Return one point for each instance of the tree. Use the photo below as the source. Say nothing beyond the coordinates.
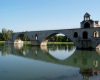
(4, 31)
(6, 34)
(1, 37)
(25, 38)
(59, 38)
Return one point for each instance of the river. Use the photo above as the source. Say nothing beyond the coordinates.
(52, 62)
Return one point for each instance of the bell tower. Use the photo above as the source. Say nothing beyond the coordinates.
(88, 22)
(86, 16)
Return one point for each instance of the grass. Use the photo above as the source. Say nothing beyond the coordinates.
(29, 42)
(60, 43)
(2, 41)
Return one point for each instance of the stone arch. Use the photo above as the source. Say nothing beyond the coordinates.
(86, 25)
(96, 34)
(75, 34)
(36, 37)
(21, 37)
(85, 35)
(45, 40)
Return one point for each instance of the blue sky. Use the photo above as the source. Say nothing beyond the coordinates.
(33, 15)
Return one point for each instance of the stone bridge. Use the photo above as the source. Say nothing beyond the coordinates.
(85, 37)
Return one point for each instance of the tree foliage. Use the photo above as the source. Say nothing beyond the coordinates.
(59, 38)
(23, 37)
(5, 35)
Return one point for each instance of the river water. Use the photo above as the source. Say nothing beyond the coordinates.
(52, 62)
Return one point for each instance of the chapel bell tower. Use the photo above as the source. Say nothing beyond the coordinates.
(88, 22)
(86, 17)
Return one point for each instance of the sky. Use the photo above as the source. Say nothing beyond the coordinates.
(36, 15)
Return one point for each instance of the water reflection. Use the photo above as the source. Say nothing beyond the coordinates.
(55, 47)
(61, 52)
(87, 73)
(87, 61)
(18, 46)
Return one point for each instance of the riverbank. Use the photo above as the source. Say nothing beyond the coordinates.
(2, 42)
(29, 42)
(60, 43)
(25, 42)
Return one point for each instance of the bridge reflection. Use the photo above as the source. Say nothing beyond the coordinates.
(87, 73)
(87, 61)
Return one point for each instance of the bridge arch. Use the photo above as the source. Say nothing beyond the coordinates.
(21, 37)
(45, 40)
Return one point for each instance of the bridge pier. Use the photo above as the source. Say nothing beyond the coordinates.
(39, 43)
(35, 43)
(93, 43)
(84, 44)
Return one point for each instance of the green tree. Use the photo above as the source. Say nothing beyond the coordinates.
(25, 38)
(4, 31)
(59, 38)
(6, 34)
(1, 37)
